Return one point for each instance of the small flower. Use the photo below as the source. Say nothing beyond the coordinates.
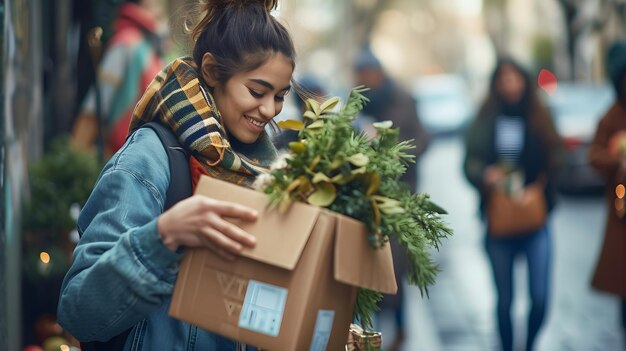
(281, 161)
(262, 181)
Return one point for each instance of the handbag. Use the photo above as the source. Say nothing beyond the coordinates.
(519, 213)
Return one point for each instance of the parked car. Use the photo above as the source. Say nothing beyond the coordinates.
(443, 103)
(577, 109)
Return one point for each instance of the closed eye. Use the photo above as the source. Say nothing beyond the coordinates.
(256, 94)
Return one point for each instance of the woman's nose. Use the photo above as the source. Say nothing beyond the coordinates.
(268, 108)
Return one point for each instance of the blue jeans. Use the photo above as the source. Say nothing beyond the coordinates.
(537, 248)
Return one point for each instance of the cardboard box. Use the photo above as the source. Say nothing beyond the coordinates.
(295, 290)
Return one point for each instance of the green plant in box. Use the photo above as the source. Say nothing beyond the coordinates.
(331, 165)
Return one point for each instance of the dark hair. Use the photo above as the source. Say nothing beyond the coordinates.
(241, 35)
(529, 88)
(534, 111)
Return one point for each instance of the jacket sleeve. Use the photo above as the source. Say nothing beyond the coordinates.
(404, 116)
(598, 155)
(474, 163)
(121, 271)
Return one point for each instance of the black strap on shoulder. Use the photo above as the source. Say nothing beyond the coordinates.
(180, 176)
(178, 189)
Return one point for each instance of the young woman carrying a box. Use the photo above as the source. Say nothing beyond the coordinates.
(217, 103)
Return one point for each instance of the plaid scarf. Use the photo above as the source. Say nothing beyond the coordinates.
(178, 99)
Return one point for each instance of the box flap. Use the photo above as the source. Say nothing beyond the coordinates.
(357, 263)
(280, 237)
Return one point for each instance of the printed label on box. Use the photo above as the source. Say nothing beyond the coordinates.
(263, 308)
(323, 327)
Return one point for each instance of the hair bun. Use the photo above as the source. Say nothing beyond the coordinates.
(209, 9)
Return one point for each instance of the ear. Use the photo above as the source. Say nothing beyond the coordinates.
(208, 69)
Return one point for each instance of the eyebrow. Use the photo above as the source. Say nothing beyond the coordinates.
(268, 84)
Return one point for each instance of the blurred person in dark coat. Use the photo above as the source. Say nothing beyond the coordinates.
(513, 131)
(132, 58)
(607, 154)
(390, 102)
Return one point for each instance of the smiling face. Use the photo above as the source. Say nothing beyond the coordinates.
(249, 100)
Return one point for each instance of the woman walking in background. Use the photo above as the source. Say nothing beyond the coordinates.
(512, 142)
(607, 154)
(131, 60)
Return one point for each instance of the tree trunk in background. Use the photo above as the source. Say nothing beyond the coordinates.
(497, 23)
(570, 10)
(364, 19)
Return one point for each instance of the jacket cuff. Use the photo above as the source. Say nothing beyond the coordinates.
(156, 257)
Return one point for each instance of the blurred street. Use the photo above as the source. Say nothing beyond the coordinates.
(459, 316)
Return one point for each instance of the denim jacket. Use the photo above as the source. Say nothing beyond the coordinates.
(122, 275)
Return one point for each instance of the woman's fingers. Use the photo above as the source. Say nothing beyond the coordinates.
(232, 231)
(221, 241)
(234, 210)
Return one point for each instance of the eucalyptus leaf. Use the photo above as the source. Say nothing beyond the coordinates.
(360, 170)
(374, 183)
(291, 124)
(329, 104)
(297, 147)
(315, 125)
(320, 177)
(324, 195)
(359, 160)
(310, 115)
(382, 125)
(313, 106)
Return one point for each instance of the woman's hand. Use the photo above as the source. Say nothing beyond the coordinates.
(493, 175)
(199, 221)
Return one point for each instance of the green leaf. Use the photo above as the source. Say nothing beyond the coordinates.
(359, 160)
(297, 147)
(291, 124)
(382, 125)
(310, 115)
(320, 177)
(314, 162)
(374, 183)
(337, 162)
(324, 195)
(313, 106)
(315, 125)
(360, 170)
(329, 104)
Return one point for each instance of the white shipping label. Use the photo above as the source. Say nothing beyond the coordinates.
(323, 327)
(263, 308)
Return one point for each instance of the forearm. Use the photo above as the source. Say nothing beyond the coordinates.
(107, 293)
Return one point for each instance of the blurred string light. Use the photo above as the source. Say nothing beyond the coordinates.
(44, 257)
(620, 207)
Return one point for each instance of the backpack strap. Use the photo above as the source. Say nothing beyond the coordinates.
(178, 189)
(180, 175)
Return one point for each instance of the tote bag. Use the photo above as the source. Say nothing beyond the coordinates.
(517, 214)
